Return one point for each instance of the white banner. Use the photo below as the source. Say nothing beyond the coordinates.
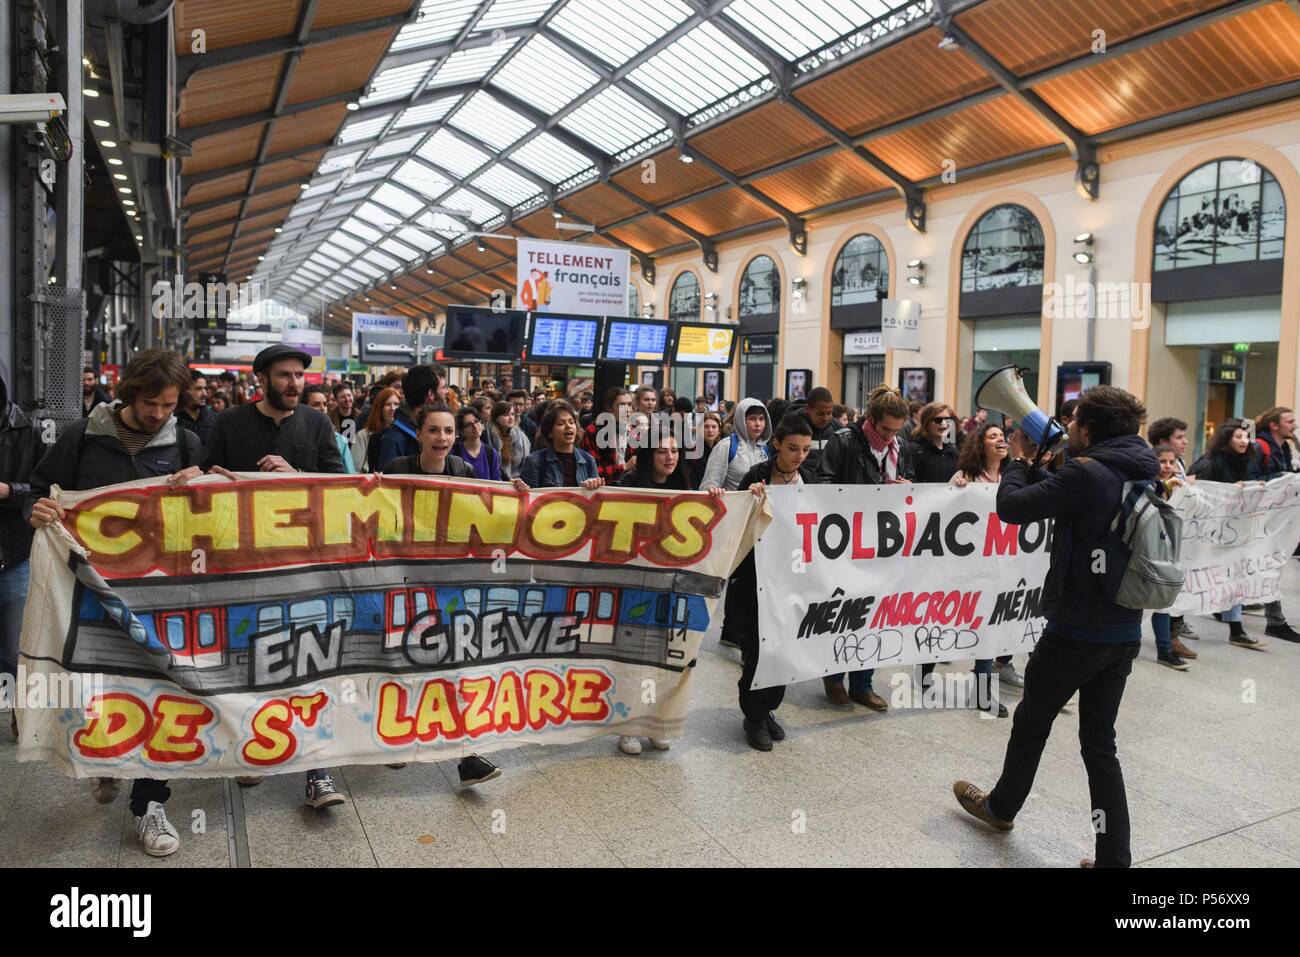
(854, 577)
(572, 278)
(891, 575)
(1235, 542)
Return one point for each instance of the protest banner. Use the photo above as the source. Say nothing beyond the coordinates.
(857, 577)
(293, 622)
(1236, 540)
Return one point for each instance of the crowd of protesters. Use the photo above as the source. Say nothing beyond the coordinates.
(163, 419)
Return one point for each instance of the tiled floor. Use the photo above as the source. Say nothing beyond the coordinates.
(1210, 757)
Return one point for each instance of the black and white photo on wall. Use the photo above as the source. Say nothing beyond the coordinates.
(917, 384)
(797, 383)
(713, 388)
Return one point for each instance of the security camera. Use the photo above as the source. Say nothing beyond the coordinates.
(31, 107)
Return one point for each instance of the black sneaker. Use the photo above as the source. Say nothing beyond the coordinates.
(1217, 616)
(322, 793)
(757, 735)
(1244, 640)
(475, 770)
(776, 732)
(1283, 631)
(1171, 660)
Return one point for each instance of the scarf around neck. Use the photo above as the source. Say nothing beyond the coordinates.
(880, 444)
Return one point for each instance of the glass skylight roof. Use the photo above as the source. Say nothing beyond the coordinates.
(619, 74)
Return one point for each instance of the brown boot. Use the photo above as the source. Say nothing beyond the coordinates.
(871, 700)
(975, 802)
(1180, 649)
(835, 691)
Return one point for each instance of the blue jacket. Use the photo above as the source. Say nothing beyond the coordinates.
(542, 469)
(1081, 498)
(397, 440)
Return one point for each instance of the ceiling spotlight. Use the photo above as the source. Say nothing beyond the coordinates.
(1083, 257)
(304, 186)
(480, 247)
(916, 264)
(125, 190)
(128, 202)
(109, 143)
(949, 42)
(121, 176)
(90, 92)
(798, 287)
(917, 278)
(261, 258)
(557, 214)
(353, 106)
(686, 157)
(139, 237)
(278, 230)
(101, 122)
(86, 60)
(115, 162)
(1084, 238)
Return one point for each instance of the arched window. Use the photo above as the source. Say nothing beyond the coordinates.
(633, 299)
(1004, 249)
(1227, 211)
(684, 300)
(861, 272)
(760, 288)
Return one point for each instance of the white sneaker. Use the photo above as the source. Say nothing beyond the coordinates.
(105, 789)
(628, 744)
(248, 780)
(1008, 675)
(156, 832)
(660, 744)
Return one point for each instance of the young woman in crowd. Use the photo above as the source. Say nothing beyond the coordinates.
(515, 446)
(365, 447)
(710, 431)
(1169, 650)
(471, 447)
(220, 402)
(1228, 460)
(667, 399)
(559, 463)
(981, 460)
(934, 451)
(611, 458)
(793, 440)
(732, 457)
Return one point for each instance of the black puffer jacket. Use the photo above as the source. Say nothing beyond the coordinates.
(931, 464)
(20, 450)
(1223, 466)
(848, 460)
(1082, 498)
(90, 455)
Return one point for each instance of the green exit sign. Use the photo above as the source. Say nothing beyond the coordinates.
(1241, 347)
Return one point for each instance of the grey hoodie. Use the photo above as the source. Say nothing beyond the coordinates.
(726, 473)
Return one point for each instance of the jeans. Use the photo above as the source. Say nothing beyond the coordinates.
(1232, 614)
(1057, 669)
(1160, 625)
(13, 595)
(859, 681)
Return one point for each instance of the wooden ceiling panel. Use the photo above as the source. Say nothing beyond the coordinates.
(902, 80)
(722, 212)
(227, 23)
(650, 234)
(266, 220)
(663, 177)
(232, 184)
(223, 149)
(214, 215)
(201, 237)
(760, 137)
(540, 224)
(821, 182)
(328, 68)
(307, 128)
(289, 169)
(248, 237)
(599, 204)
(276, 197)
(1256, 49)
(1031, 35)
(987, 131)
(334, 13)
(233, 90)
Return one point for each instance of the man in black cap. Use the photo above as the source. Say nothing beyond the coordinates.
(274, 435)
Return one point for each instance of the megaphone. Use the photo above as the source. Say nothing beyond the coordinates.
(1004, 392)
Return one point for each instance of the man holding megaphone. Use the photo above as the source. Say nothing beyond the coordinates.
(1090, 639)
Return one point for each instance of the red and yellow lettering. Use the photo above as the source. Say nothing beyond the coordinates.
(545, 698)
(437, 713)
(477, 693)
(308, 707)
(587, 694)
(121, 723)
(176, 725)
(392, 723)
(507, 710)
(273, 742)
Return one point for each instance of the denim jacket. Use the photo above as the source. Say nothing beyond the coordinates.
(542, 469)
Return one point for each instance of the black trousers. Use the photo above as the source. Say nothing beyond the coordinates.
(145, 790)
(1057, 669)
(742, 616)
